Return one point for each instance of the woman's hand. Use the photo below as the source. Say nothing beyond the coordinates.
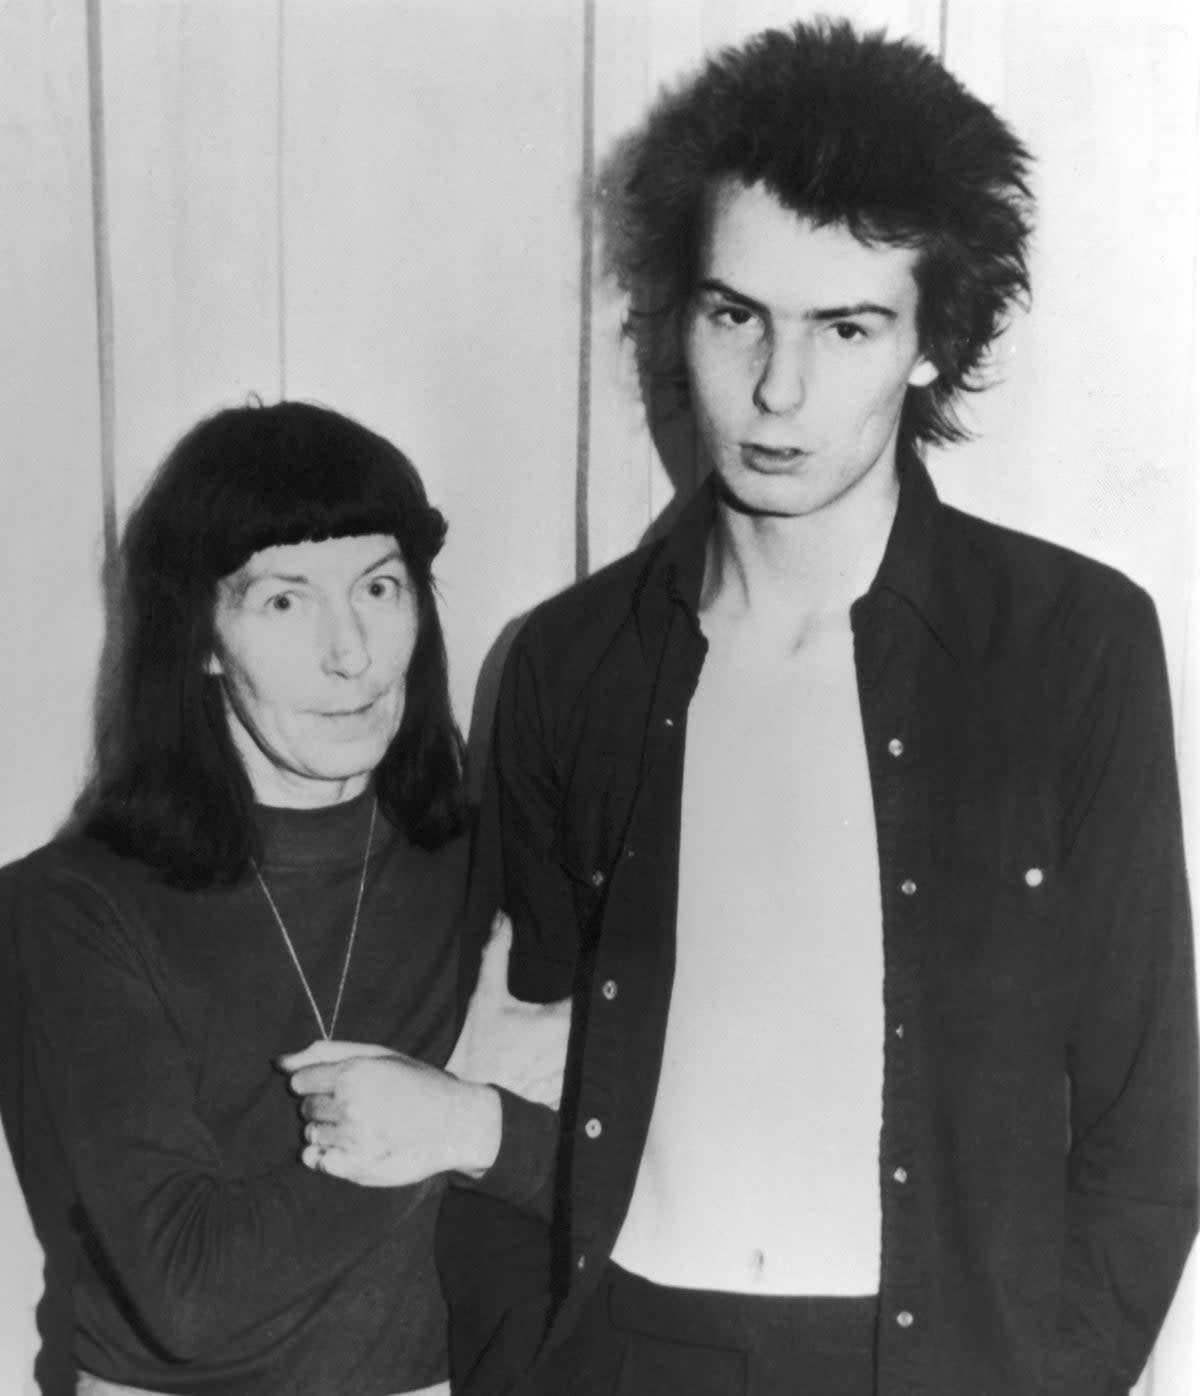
(381, 1119)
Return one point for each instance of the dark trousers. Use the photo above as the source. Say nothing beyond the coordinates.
(641, 1339)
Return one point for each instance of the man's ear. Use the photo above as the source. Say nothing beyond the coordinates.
(922, 375)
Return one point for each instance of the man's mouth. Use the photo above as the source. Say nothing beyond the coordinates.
(761, 457)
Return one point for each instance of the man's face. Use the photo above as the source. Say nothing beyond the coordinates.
(312, 643)
(800, 344)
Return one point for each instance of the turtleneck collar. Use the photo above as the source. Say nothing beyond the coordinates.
(329, 836)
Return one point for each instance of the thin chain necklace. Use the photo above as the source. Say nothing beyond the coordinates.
(326, 1032)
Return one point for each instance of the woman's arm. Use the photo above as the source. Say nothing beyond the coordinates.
(203, 1257)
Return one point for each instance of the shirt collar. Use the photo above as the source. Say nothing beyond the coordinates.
(910, 570)
(915, 558)
(674, 571)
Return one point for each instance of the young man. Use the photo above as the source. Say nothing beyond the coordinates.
(849, 821)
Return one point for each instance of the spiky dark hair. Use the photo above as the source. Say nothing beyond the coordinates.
(848, 129)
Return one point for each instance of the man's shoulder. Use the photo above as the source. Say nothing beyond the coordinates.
(1034, 574)
(582, 650)
(609, 591)
(587, 615)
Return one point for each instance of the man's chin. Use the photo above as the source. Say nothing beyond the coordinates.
(764, 497)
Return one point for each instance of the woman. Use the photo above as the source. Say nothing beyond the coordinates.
(274, 853)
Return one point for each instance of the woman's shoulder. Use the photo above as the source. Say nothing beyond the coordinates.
(429, 872)
(80, 862)
(77, 891)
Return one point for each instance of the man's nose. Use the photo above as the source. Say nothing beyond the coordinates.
(783, 378)
(345, 642)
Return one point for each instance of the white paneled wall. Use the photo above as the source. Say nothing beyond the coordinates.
(190, 96)
(50, 523)
(379, 205)
(431, 165)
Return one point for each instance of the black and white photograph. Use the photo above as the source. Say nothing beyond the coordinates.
(602, 743)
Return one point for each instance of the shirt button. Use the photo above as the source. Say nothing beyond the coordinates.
(904, 1319)
(668, 722)
(901, 1175)
(609, 989)
(598, 878)
(1034, 877)
(908, 887)
(593, 1129)
(896, 747)
(581, 1262)
(900, 1031)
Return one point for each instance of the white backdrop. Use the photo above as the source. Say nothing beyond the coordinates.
(376, 203)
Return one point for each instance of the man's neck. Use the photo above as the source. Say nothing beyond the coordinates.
(794, 576)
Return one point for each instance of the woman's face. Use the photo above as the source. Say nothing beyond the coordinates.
(312, 643)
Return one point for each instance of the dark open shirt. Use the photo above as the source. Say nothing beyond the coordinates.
(1037, 1159)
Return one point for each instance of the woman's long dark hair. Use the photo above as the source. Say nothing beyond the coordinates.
(170, 788)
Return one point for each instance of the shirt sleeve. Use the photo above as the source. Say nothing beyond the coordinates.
(525, 801)
(203, 1258)
(1131, 1051)
(522, 1175)
(493, 1243)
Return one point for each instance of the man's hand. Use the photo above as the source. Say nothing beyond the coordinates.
(520, 1046)
(381, 1119)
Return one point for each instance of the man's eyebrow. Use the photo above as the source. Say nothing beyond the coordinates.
(715, 286)
(849, 312)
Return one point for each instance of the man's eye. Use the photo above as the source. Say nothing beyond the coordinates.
(733, 316)
(847, 330)
(284, 601)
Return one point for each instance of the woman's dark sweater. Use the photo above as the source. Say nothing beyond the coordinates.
(208, 1258)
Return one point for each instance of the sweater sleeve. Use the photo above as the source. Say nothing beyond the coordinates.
(523, 1172)
(1131, 1052)
(187, 1243)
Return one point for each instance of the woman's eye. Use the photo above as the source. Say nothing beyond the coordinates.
(383, 588)
(847, 330)
(284, 601)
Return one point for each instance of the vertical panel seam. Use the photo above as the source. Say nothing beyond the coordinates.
(102, 275)
(280, 242)
(1186, 732)
(587, 252)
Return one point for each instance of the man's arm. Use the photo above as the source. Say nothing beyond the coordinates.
(1131, 1053)
(495, 1260)
(382, 1119)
